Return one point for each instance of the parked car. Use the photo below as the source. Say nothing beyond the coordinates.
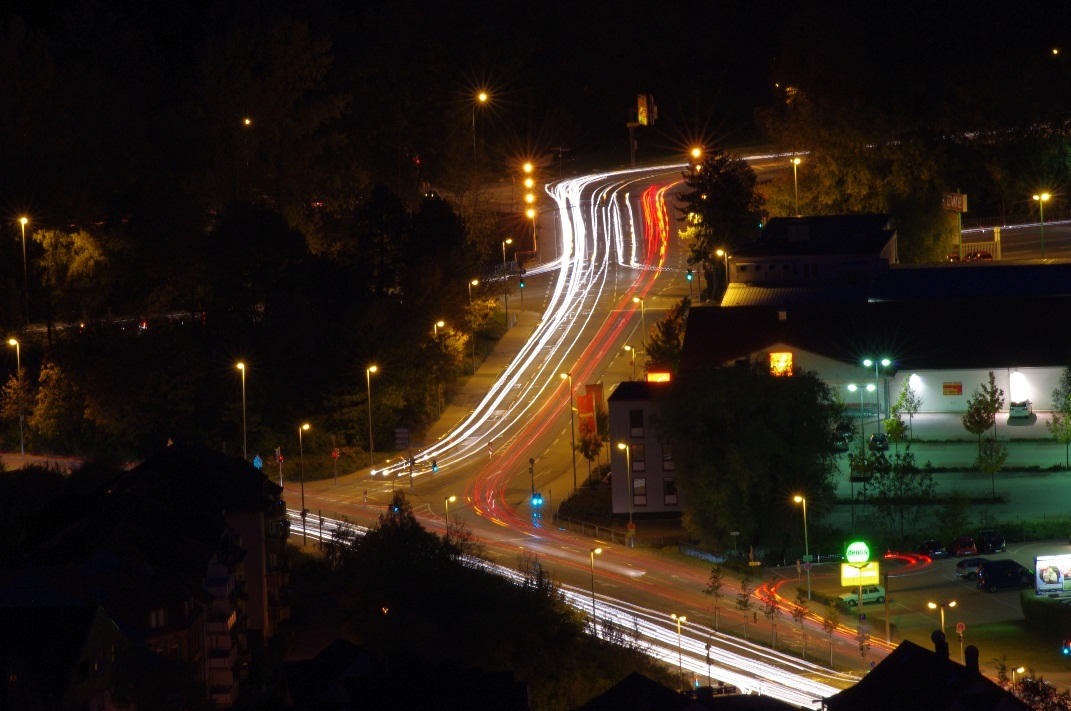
(953, 256)
(977, 256)
(964, 545)
(990, 542)
(846, 429)
(933, 548)
(871, 593)
(1020, 409)
(968, 567)
(997, 574)
(839, 442)
(878, 442)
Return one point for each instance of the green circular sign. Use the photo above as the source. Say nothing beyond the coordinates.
(857, 552)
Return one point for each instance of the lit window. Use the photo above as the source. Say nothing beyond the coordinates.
(780, 364)
(639, 492)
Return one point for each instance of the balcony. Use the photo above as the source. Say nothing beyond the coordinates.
(221, 623)
(222, 658)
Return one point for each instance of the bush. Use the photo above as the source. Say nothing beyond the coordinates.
(1049, 617)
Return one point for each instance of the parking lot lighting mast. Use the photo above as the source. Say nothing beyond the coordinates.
(18, 373)
(1041, 199)
(941, 606)
(368, 380)
(806, 544)
(884, 363)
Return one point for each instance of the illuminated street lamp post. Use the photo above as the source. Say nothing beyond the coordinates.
(472, 324)
(245, 449)
(481, 99)
(870, 388)
(680, 656)
(725, 258)
(25, 271)
(884, 363)
(806, 544)
(18, 375)
(447, 500)
(594, 552)
(941, 606)
(435, 328)
(628, 483)
(1016, 672)
(572, 428)
(505, 280)
(1041, 199)
(301, 469)
(796, 184)
(632, 351)
(643, 323)
(368, 380)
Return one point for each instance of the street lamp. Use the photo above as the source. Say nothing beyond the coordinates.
(884, 363)
(368, 380)
(572, 428)
(725, 258)
(25, 273)
(505, 280)
(245, 449)
(633, 358)
(1042, 198)
(531, 213)
(1015, 672)
(643, 322)
(941, 606)
(628, 479)
(870, 388)
(447, 500)
(594, 552)
(481, 99)
(697, 153)
(806, 544)
(472, 325)
(796, 184)
(435, 328)
(301, 469)
(680, 657)
(18, 375)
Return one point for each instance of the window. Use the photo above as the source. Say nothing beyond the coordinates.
(638, 463)
(639, 492)
(781, 364)
(635, 423)
(667, 457)
(669, 491)
(158, 618)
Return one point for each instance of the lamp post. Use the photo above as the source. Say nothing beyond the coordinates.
(643, 323)
(18, 375)
(505, 280)
(697, 153)
(1041, 199)
(531, 213)
(633, 352)
(884, 363)
(25, 271)
(1016, 672)
(472, 325)
(680, 656)
(481, 99)
(853, 387)
(572, 428)
(725, 258)
(941, 606)
(594, 552)
(628, 482)
(446, 501)
(301, 469)
(245, 449)
(368, 381)
(806, 544)
(435, 328)
(796, 184)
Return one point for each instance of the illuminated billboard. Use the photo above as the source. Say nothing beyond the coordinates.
(859, 574)
(1053, 574)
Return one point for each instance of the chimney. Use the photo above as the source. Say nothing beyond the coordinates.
(940, 646)
(970, 654)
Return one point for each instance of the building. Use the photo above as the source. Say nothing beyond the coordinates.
(649, 486)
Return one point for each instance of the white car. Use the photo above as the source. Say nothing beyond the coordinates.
(871, 593)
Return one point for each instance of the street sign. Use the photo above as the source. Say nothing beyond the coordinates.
(808, 558)
(960, 627)
(258, 462)
(807, 565)
(954, 202)
(401, 438)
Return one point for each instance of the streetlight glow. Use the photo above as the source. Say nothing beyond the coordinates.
(806, 544)
(447, 500)
(941, 606)
(301, 469)
(628, 479)
(25, 271)
(245, 450)
(796, 184)
(643, 322)
(680, 658)
(368, 381)
(1041, 200)
(18, 374)
(594, 552)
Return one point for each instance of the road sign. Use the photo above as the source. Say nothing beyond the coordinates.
(401, 438)
(258, 462)
(808, 558)
(807, 565)
(960, 627)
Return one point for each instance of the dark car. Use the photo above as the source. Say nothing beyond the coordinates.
(977, 257)
(998, 574)
(839, 442)
(990, 542)
(964, 545)
(932, 548)
(845, 428)
(953, 256)
(968, 567)
(878, 442)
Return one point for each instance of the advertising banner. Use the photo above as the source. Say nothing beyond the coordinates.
(1053, 574)
(860, 574)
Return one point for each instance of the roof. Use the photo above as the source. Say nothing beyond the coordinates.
(819, 235)
(632, 391)
(637, 692)
(936, 684)
(918, 334)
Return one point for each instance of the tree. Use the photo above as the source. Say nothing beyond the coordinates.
(741, 437)
(953, 517)
(894, 428)
(982, 410)
(743, 598)
(908, 402)
(1059, 425)
(713, 588)
(991, 457)
(667, 339)
(590, 444)
(770, 610)
(799, 614)
(1037, 693)
(58, 415)
(900, 493)
(830, 622)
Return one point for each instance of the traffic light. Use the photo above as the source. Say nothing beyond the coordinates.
(434, 465)
(1066, 649)
(689, 277)
(522, 282)
(537, 499)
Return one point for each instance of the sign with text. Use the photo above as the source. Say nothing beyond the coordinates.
(856, 575)
(857, 552)
(1053, 574)
(954, 202)
(951, 388)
